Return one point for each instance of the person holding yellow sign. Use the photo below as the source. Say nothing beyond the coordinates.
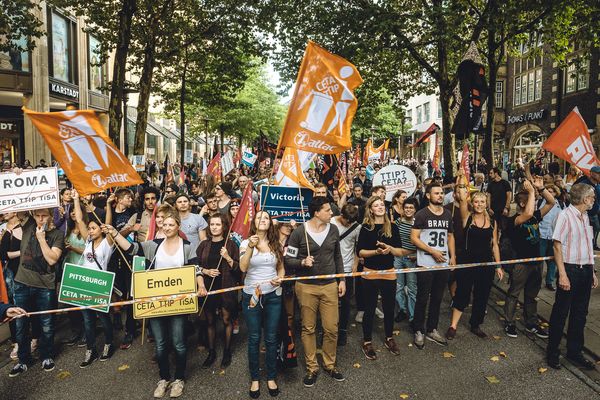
(172, 251)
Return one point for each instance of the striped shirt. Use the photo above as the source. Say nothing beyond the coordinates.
(575, 234)
(405, 228)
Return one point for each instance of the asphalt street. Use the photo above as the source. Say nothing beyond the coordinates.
(469, 368)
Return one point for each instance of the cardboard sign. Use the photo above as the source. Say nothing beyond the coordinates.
(31, 190)
(82, 286)
(394, 178)
(164, 282)
(283, 203)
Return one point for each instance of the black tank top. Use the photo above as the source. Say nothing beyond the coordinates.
(478, 242)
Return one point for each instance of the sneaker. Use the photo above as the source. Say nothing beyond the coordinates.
(391, 345)
(537, 331)
(450, 333)
(478, 332)
(210, 359)
(127, 341)
(34, 345)
(17, 370)
(82, 342)
(310, 379)
(161, 388)
(379, 313)
(335, 374)
(369, 351)
(236, 326)
(48, 365)
(419, 340)
(226, 360)
(359, 316)
(107, 352)
(434, 336)
(14, 353)
(581, 361)
(511, 330)
(90, 357)
(72, 341)
(176, 388)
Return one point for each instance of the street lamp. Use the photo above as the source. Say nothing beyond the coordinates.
(127, 90)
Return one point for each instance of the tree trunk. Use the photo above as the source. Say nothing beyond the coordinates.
(182, 94)
(490, 117)
(115, 108)
(141, 122)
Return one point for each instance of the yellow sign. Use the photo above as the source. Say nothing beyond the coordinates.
(164, 282)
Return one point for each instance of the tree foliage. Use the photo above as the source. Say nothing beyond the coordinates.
(17, 21)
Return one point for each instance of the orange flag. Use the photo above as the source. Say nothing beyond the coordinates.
(323, 106)
(214, 167)
(78, 142)
(291, 168)
(571, 142)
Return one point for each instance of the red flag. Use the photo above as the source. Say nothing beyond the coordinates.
(430, 131)
(214, 167)
(571, 142)
(464, 163)
(436, 156)
(3, 291)
(240, 228)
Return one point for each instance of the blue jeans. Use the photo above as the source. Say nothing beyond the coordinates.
(41, 300)
(547, 250)
(161, 328)
(267, 313)
(9, 279)
(89, 325)
(406, 286)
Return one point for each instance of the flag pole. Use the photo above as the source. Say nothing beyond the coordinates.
(302, 212)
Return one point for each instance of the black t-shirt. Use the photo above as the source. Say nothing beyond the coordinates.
(367, 240)
(525, 238)
(457, 226)
(497, 191)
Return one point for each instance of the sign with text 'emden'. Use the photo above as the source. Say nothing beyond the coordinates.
(82, 286)
(164, 282)
(30, 190)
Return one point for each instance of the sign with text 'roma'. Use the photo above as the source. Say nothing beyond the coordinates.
(82, 286)
(31, 190)
(164, 282)
(394, 178)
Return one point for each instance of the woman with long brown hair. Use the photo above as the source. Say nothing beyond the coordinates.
(262, 261)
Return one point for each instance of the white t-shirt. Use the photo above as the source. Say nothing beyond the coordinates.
(319, 238)
(348, 244)
(164, 260)
(263, 267)
(102, 254)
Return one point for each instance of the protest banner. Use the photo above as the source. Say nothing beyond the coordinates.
(394, 178)
(139, 162)
(164, 282)
(284, 203)
(31, 190)
(248, 159)
(227, 163)
(82, 286)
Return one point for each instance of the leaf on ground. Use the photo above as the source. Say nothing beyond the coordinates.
(495, 358)
(396, 333)
(353, 325)
(410, 345)
(502, 319)
(496, 337)
(500, 302)
(492, 379)
(63, 375)
(544, 325)
(518, 318)
(378, 350)
(123, 367)
(541, 370)
(356, 365)
(222, 372)
(503, 354)
(404, 396)
(447, 354)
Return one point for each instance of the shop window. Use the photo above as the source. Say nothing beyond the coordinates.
(63, 48)
(97, 70)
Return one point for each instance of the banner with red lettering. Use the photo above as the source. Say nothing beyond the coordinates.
(464, 163)
(571, 142)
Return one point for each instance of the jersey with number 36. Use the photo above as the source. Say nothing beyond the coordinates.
(434, 233)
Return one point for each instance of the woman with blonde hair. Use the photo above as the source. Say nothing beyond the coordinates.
(378, 243)
(480, 245)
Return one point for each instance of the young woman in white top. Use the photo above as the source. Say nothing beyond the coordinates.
(261, 258)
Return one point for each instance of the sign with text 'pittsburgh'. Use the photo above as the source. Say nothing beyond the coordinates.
(164, 282)
(82, 286)
(31, 190)
(283, 203)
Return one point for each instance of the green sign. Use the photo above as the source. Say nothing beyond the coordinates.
(82, 286)
(139, 263)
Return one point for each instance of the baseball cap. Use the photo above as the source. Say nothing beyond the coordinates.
(596, 169)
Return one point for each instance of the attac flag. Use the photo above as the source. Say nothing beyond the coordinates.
(469, 95)
(240, 227)
(323, 106)
(78, 142)
(291, 168)
(464, 163)
(214, 167)
(430, 131)
(571, 142)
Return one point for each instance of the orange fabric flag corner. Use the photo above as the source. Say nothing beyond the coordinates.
(84, 151)
(323, 105)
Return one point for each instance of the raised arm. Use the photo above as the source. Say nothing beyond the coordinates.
(529, 207)
(79, 215)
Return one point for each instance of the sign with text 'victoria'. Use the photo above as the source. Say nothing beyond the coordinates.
(31, 190)
(284, 203)
(164, 282)
(82, 286)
